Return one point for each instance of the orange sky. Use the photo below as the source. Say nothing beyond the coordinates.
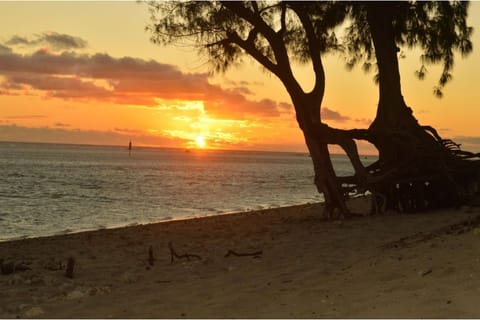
(85, 72)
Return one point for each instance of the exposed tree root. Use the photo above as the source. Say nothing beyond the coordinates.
(422, 171)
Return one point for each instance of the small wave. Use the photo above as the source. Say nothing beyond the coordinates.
(133, 224)
(64, 231)
(21, 237)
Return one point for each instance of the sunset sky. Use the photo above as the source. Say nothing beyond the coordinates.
(85, 72)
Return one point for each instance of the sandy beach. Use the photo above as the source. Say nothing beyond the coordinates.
(275, 263)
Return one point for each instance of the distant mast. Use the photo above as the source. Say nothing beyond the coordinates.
(130, 148)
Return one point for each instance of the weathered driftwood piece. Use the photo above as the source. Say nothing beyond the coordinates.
(7, 268)
(174, 254)
(244, 254)
(70, 266)
(151, 259)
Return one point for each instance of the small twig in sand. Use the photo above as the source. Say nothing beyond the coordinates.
(70, 265)
(174, 254)
(151, 259)
(248, 254)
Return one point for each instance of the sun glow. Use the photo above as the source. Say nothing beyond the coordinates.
(200, 142)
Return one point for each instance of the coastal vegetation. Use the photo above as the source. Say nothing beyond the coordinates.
(417, 169)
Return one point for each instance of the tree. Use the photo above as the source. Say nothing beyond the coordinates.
(275, 34)
(419, 169)
(415, 166)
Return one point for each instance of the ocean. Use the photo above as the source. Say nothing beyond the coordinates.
(48, 189)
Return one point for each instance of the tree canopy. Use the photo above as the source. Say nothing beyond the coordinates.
(438, 28)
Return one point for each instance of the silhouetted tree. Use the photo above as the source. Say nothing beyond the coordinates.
(275, 34)
(414, 160)
(418, 168)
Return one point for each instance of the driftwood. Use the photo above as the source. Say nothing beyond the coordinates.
(70, 266)
(151, 259)
(246, 254)
(174, 254)
(12, 267)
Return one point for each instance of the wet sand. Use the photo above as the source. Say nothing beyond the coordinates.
(276, 263)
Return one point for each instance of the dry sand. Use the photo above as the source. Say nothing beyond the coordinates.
(394, 265)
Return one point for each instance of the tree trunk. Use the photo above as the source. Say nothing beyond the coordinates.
(325, 178)
(418, 171)
(393, 115)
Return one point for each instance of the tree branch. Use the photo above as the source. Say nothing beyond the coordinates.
(315, 52)
(274, 40)
(249, 46)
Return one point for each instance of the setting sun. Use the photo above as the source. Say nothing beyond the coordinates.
(200, 142)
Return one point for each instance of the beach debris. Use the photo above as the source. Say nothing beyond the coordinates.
(21, 267)
(174, 254)
(10, 267)
(151, 259)
(423, 273)
(255, 254)
(53, 265)
(7, 267)
(70, 266)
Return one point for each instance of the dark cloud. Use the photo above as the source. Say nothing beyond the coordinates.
(468, 139)
(225, 103)
(5, 49)
(53, 40)
(328, 114)
(126, 130)
(243, 83)
(285, 106)
(364, 121)
(126, 80)
(242, 90)
(468, 143)
(17, 40)
(58, 86)
(61, 125)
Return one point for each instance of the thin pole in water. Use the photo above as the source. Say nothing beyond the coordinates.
(130, 148)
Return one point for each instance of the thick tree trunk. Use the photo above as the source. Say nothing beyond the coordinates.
(418, 170)
(325, 178)
(393, 115)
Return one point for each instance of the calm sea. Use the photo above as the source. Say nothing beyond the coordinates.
(48, 189)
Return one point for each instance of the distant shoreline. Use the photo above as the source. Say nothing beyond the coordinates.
(140, 147)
